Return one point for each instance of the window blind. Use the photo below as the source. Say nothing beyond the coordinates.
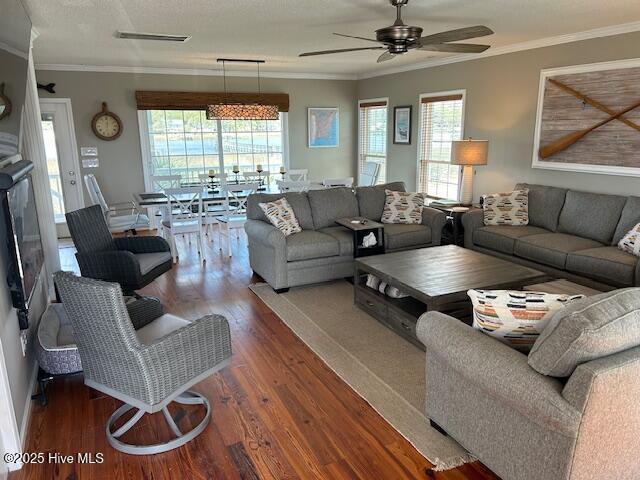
(372, 147)
(440, 124)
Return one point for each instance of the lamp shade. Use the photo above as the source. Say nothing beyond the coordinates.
(469, 152)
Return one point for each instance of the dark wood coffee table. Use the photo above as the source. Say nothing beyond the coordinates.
(436, 279)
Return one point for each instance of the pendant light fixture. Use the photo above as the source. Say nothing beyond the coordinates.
(241, 111)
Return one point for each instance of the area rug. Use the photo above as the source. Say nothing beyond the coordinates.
(384, 369)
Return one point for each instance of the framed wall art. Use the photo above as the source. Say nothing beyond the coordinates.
(588, 119)
(402, 125)
(324, 127)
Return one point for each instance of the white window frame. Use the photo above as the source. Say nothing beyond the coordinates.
(145, 146)
(360, 153)
(462, 92)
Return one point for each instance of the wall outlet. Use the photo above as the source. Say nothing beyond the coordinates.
(24, 341)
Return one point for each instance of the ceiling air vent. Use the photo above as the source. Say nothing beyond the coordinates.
(165, 37)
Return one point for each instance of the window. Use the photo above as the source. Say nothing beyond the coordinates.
(186, 143)
(441, 119)
(372, 157)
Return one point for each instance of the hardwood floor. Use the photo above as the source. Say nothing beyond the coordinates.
(278, 411)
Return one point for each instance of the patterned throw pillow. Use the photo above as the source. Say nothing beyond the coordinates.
(511, 208)
(281, 216)
(403, 207)
(631, 241)
(515, 318)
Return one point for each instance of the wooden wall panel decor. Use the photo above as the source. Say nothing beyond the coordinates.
(588, 119)
(158, 100)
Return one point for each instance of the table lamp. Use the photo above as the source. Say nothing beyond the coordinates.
(468, 153)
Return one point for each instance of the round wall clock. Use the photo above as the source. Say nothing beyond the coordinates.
(5, 103)
(106, 125)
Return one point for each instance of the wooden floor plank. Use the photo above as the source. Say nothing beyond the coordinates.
(278, 411)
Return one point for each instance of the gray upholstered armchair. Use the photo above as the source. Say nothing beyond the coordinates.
(568, 411)
(133, 262)
(146, 368)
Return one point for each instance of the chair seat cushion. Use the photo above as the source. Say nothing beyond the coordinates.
(608, 264)
(502, 238)
(309, 244)
(149, 261)
(56, 349)
(128, 222)
(397, 236)
(160, 327)
(587, 329)
(551, 248)
(344, 236)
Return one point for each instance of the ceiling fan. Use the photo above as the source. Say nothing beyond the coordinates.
(400, 38)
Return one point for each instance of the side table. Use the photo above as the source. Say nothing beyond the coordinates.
(361, 227)
(453, 233)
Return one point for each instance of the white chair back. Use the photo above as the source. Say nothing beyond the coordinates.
(293, 186)
(95, 194)
(185, 205)
(160, 182)
(235, 204)
(369, 174)
(338, 182)
(297, 175)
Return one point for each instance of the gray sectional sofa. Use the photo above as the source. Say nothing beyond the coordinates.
(323, 250)
(571, 234)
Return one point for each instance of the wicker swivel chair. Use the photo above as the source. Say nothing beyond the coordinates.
(133, 262)
(146, 369)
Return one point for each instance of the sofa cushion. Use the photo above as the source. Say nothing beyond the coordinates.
(329, 204)
(344, 236)
(551, 248)
(371, 199)
(608, 264)
(508, 208)
(298, 201)
(398, 236)
(587, 329)
(403, 207)
(630, 243)
(502, 238)
(629, 218)
(515, 318)
(149, 261)
(309, 244)
(591, 215)
(281, 216)
(545, 205)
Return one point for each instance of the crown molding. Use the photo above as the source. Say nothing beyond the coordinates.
(516, 47)
(191, 71)
(14, 51)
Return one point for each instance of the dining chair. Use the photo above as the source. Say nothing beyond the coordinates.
(158, 184)
(261, 178)
(128, 222)
(297, 175)
(293, 185)
(185, 205)
(338, 182)
(234, 216)
(369, 174)
(212, 208)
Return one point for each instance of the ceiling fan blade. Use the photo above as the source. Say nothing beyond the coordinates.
(359, 38)
(386, 56)
(455, 47)
(455, 35)
(327, 52)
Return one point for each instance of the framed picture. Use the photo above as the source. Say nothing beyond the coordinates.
(588, 119)
(402, 125)
(324, 127)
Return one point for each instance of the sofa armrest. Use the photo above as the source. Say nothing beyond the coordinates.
(435, 219)
(498, 370)
(265, 234)
(471, 221)
(149, 244)
(112, 266)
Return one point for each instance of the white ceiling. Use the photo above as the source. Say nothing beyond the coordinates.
(82, 32)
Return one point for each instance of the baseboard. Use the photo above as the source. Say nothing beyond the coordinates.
(27, 406)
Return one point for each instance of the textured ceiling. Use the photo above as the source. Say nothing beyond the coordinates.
(82, 32)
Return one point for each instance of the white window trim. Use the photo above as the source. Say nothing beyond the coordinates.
(145, 147)
(462, 92)
(386, 159)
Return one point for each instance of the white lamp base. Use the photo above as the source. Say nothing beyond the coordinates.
(466, 186)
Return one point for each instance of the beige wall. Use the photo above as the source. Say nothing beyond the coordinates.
(120, 171)
(501, 107)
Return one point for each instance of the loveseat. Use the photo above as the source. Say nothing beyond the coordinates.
(571, 234)
(323, 251)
